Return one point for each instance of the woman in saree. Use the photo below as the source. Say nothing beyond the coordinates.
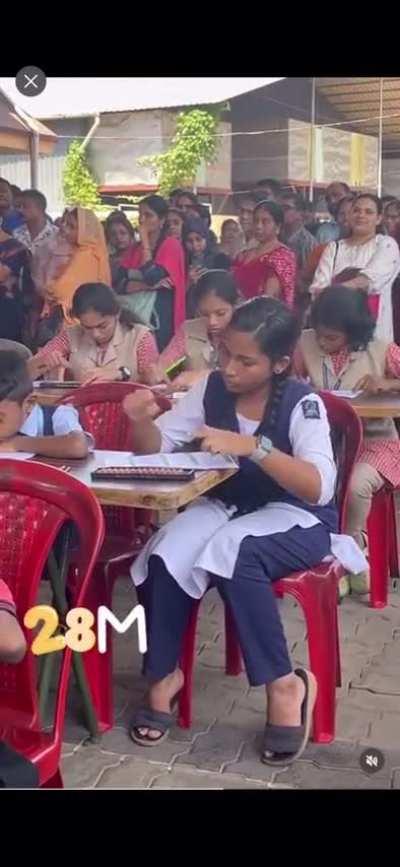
(76, 254)
(270, 267)
(155, 290)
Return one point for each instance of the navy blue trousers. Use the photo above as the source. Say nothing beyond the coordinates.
(249, 595)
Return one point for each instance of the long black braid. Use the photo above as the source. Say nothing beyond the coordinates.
(276, 330)
(272, 411)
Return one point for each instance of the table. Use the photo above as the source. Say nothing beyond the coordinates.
(158, 496)
(377, 406)
(53, 396)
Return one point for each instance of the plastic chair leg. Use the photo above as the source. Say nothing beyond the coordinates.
(54, 782)
(338, 661)
(318, 598)
(99, 666)
(89, 708)
(233, 656)
(393, 541)
(378, 548)
(187, 665)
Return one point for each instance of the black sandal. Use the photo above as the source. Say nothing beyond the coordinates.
(157, 720)
(283, 745)
(151, 719)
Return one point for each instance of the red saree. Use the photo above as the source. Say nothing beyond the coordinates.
(252, 275)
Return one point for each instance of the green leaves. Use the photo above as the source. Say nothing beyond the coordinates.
(194, 142)
(79, 186)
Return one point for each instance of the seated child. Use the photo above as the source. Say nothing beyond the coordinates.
(340, 352)
(276, 515)
(196, 340)
(53, 432)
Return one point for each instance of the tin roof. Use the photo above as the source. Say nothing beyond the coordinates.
(79, 97)
(357, 100)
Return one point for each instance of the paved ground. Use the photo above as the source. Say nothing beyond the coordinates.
(221, 750)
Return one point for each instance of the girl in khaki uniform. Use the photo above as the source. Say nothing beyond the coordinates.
(215, 297)
(338, 353)
(106, 344)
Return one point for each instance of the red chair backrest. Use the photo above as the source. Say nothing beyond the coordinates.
(346, 434)
(35, 502)
(101, 413)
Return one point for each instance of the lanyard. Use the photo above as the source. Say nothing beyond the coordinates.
(325, 379)
(325, 375)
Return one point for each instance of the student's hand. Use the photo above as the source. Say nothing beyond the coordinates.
(225, 442)
(14, 444)
(154, 374)
(188, 378)
(101, 374)
(141, 406)
(374, 385)
(39, 366)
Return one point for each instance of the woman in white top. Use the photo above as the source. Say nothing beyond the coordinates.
(274, 516)
(365, 261)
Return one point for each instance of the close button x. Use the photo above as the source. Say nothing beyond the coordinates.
(30, 81)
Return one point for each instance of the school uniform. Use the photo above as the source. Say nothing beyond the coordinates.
(202, 355)
(192, 341)
(245, 534)
(53, 421)
(379, 457)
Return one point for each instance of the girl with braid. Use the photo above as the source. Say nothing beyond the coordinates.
(276, 515)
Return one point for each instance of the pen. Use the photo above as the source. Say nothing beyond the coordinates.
(175, 365)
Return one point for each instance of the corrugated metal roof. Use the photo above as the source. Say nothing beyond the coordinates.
(357, 100)
(78, 97)
(15, 118)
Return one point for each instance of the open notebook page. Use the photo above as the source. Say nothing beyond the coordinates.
(186, 460)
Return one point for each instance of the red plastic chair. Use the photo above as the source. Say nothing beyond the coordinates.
(101, 414)
(35, 502)
(314, 590)
(382, 546)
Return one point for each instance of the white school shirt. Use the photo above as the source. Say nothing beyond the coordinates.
(378, 259)
(203, 539)
(65, 420)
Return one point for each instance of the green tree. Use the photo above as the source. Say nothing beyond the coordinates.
(194, 142)
(79, 185)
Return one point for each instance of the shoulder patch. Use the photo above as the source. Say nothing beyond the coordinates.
(310, 409)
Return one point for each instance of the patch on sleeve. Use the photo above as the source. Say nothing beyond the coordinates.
(311, 409)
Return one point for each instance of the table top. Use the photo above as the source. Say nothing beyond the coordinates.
(377, 406)
(53, 396)
(143, 495)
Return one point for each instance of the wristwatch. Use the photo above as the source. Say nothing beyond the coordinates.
(125, 373)
(263, 448)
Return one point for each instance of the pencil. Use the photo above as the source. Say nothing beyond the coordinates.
(176, 364)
